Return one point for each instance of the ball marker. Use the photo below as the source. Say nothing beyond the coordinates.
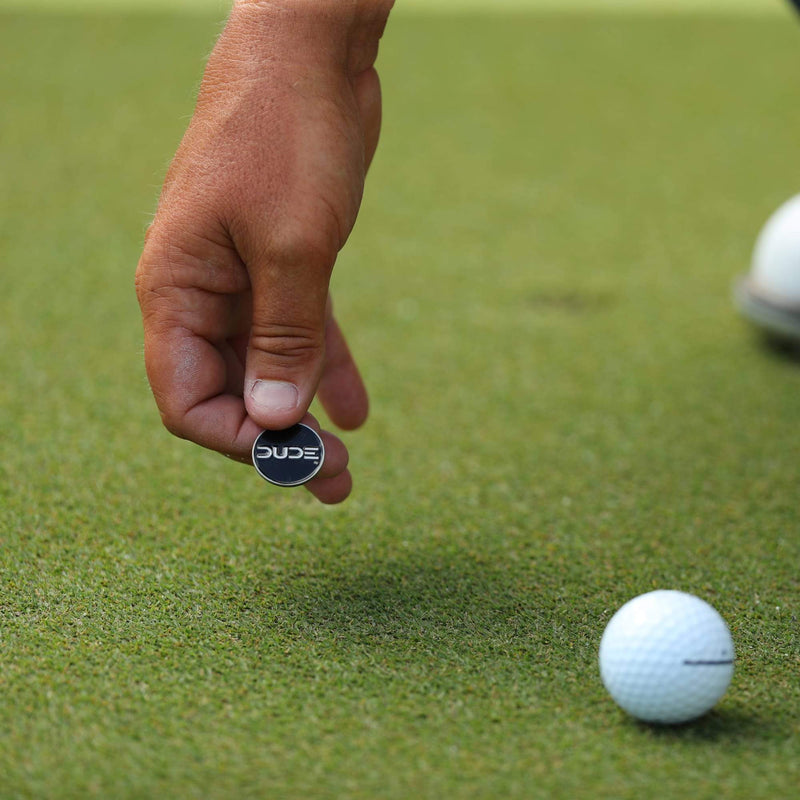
(290, 457)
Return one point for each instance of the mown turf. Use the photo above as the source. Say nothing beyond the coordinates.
(566, 413)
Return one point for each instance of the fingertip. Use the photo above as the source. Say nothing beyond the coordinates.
(273, 404)
(334, 483)
(331, 491)
(336, 456)
(341, 389)
(352, 416)
(344, 396)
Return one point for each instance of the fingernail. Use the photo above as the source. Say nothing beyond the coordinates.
(274, 396)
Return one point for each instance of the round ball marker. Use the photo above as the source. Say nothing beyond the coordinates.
(288, 458)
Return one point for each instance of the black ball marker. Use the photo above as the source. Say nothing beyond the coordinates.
(288, 458)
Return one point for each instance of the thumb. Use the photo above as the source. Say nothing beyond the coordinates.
(287, 342)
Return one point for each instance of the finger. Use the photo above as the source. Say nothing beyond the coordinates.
(189, 377)
(333, 483)
(341, 389)
(195, 301)
(331, 490)
(286, 347)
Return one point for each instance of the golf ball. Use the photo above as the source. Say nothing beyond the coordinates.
(666, 657)
(775, 268)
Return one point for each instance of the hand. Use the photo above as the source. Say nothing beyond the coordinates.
(261, 196)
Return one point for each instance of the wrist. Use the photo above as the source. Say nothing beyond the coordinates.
(348, 29)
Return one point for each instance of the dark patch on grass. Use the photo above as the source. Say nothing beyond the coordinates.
(781, 347)
(572, 301)
(458, 607)
(721, 725)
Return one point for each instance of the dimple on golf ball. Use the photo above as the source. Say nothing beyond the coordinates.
(666, 657)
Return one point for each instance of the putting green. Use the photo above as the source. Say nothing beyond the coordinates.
(566, 412)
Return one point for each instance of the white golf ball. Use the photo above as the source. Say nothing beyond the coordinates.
(775, 268)
(666, 657)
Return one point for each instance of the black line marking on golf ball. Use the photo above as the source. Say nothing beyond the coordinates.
(708, 663)
(288, 458)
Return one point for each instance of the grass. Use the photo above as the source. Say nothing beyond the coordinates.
(566, 413)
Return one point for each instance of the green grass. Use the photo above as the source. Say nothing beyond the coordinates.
(566, 412)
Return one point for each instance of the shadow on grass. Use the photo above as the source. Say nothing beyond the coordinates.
(723, 725)
(407, 599)
(438, 612)
(781, 348)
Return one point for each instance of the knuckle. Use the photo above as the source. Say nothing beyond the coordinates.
(308, 236)
(160, 311)
(311, 249)
(174, 423)
(173, 418)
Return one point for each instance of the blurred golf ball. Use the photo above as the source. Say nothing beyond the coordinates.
(666, 657)
(775, 268)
